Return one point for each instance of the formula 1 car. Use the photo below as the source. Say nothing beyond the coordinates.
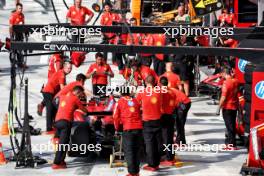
(95, 128)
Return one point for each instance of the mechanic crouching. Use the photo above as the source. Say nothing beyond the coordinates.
(127, 113)
(63, 122)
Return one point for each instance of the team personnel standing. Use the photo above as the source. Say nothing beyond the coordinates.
(146, 40)
(133, 39)
(173, 79)
(120, 58)
(17, 18)
(183, 105)
(107, 19)
(127, 114)
(167, 120)
(229, 104)
(159, 59)
(184, 64)
(151, 103)
(55, 64)
(68, 104)
(79, 15)
(99, 72)
(54, 85)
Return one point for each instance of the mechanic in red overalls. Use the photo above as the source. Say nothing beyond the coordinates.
(77, 15)
(63, 121)
(17, 18)
(135, 36)
(167, 120)
(229, 104)
(54, 85)
(133, 39)
(127, 115)
(107, 19)
(55, 64)
(174, 80)
(151, 103)
(182, 105)
(99, 72)
(146, 40)
(120, 39)
(159, 59)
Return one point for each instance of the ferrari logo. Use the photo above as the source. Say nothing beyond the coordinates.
(171, 103)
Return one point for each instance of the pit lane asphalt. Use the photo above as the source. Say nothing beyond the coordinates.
(202, 126)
